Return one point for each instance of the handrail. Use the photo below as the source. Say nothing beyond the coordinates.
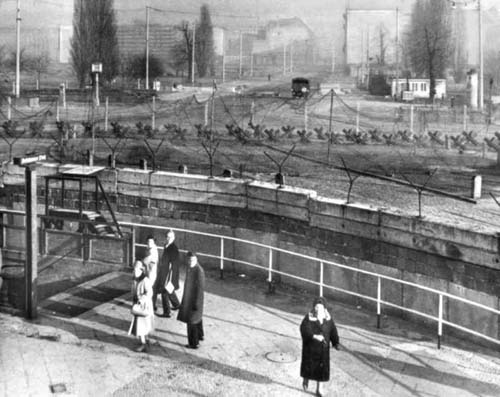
(379, 277)
(367, 272)
(378, 300)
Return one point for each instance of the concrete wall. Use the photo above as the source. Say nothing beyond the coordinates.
(440, 256)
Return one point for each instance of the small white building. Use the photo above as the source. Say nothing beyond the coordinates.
(417, 88)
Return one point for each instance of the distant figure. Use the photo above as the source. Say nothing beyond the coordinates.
(150, 259)
(168, 276)
(318, 331)
(269, 77)
(191, 309)
(142, 292)
(452, 101)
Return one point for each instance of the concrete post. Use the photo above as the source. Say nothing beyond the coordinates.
(31, 266)
(476, 187)
(411, 118)
(9, 108)
(106, 114)
(357, 118)
(153, 114)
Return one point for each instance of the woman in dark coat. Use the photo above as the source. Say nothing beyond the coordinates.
(191, 309)
(318, 331)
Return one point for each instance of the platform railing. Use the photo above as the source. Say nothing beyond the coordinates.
(378, 278)
(271, 271)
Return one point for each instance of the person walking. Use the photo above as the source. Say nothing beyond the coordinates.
(317, 330)
(142, 292)
(167, 281)
(191, 308)
(150, 260)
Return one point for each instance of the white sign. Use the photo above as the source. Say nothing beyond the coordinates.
(97, 67)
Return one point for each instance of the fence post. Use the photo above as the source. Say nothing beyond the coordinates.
(132, 246)
(321, 278)
(270, 272)
(440, 320)
(357, 118)
(222, 258)
(379, 295)
(411, 119)
(153, 114)
(306, 119)
(205, 119)
(9, 108)
(106, 114)
(57, 111)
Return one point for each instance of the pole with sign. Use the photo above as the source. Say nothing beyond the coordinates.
(96, 69)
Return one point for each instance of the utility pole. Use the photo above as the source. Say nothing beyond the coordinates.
(223, 59)
(192, 53)
(240, 70)
(18, 48)
(330, 125)
(481, 72)
(397, 53)
(147, 48)
(284, 58)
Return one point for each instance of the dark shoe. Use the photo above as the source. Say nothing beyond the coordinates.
(167, 315)
(175, 308)
(201, 338)
(305, 384)
(192, 347)
(141, 348)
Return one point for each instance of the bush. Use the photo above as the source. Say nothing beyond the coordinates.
(136, 67)
(378, 85)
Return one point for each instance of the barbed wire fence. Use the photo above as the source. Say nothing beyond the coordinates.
(273, 120)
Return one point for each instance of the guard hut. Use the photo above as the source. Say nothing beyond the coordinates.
(79, 216)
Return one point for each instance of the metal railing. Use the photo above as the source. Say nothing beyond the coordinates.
(379, 278)
(271, 270)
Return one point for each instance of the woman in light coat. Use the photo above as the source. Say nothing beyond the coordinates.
(142, 292)
(318, 331)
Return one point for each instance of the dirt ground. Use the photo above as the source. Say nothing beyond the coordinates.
(447, 168)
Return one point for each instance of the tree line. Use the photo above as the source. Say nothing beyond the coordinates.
(95, 40)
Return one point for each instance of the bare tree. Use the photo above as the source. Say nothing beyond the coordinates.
(94, 39)
(182, 51)
(428, 40)
(382, 44)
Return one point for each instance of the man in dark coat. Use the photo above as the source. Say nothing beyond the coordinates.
(191, 309)
(168, 270)
(318, 331)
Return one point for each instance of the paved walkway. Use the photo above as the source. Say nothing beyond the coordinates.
(252, 348)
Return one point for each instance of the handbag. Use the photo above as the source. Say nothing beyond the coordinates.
(169, 287)
(139, 309)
